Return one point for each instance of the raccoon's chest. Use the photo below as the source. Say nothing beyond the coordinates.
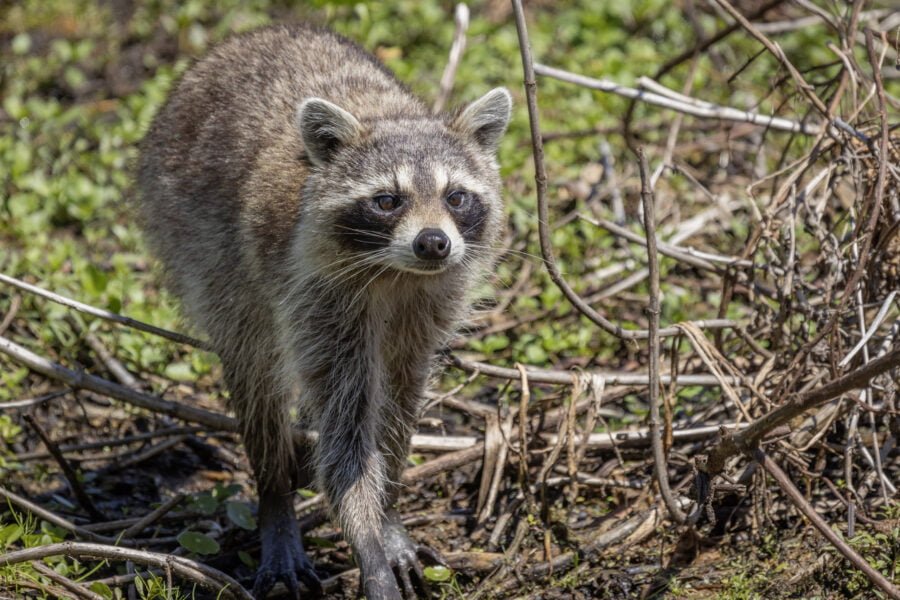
(414, 322)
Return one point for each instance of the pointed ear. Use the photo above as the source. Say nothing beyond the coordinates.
(324, 128)
(485, 119)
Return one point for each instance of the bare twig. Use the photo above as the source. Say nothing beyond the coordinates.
(14, 306)
(82, 380)
(103, 314)
(536, 375)
(664, 248)
(64, 582)
(153, 516)
(28, 403)
(461, 17)
(71, 476)
(673, 101)
(873, 326)
(110, 443)
(116, 368)
(193, 571)
(55, 519)
(660, 462)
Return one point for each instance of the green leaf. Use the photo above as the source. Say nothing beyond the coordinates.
(318, 542)
(198, 543)
(535, 354)
(179, 371)
(98, 587)
(94, 280)
(223, 492)
(240, 515)
(114, 304)
(21, 44)
(437, 573)
(205, 503)
(247, 559)
(10, 534)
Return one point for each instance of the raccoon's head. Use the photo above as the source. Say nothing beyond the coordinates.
(411, 193)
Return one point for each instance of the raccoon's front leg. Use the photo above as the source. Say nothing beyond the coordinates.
(402, 552)
(351, 471)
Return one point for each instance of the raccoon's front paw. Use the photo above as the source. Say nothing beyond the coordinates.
(285, 560)
(404, 556)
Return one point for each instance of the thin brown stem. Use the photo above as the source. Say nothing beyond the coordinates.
(660, 466)
(68, 472)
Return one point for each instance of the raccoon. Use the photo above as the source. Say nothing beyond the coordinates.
(325, 230)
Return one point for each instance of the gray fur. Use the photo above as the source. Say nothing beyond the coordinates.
(263, 149)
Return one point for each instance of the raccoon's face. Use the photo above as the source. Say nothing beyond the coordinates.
(419, 195)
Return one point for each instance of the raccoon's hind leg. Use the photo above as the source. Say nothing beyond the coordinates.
(266, 430)
(283, 556)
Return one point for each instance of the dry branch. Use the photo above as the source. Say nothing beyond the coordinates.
(190, 570)
(103, 314)
(660, 461)
(672, 101)
(71, 476)
(82, 380)
(461, 18)
(548, 376)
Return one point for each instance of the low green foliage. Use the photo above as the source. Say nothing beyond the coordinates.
(881, 549)
(154, 587)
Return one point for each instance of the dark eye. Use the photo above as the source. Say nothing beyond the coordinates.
(457, 199)
(387, 202)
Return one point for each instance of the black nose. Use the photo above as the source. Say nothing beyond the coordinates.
(431, 244)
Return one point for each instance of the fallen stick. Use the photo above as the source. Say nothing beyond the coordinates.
(697, 108)
(82, 380)
(103, 314)
(193, 571)
(555, 377)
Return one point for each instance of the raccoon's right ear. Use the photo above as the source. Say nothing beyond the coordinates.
(324, 128)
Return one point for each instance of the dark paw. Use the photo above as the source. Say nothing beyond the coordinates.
(405, 558)
(289, 565)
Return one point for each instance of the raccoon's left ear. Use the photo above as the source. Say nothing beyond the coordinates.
(486, 118)
(324, 128)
